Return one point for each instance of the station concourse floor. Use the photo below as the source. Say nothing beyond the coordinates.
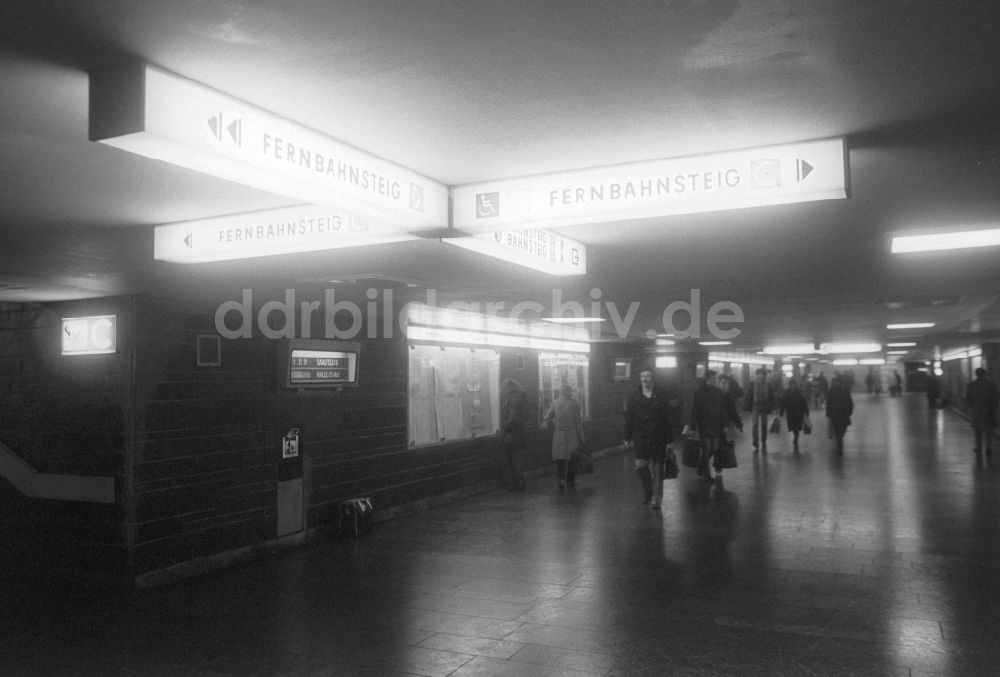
(880, 561)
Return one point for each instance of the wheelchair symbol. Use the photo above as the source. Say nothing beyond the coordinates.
(487, 205)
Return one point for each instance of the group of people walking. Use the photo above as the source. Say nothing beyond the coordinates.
(713, 422)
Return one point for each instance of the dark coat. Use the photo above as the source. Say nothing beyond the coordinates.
(647, 423)
(982, 398)
(514, 416)
(712, 411)
(839, 405)
(795, 408)
(765, 401)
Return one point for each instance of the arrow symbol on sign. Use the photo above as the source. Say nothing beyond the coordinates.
(236, 132)
(802, 169)
(187, 240)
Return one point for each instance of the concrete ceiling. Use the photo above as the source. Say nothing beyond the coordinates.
(466, 90)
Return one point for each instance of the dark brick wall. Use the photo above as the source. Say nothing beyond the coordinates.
(63, 415)
(203, 461)
(202, 480)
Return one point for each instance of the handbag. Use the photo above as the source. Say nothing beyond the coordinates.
(581, 461)
(725, 457)
(691, 454)
(356, 517)
(670, 468)
(775, 426)
(807, 427)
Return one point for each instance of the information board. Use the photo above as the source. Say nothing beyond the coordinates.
(314, 367)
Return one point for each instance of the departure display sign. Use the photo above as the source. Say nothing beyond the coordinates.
(327, 367)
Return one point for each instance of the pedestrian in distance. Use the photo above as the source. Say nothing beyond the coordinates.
(734, 393)
(760, 403)
(514, 413)
(839, 408)
(982, 398)
(648, 431)
(822, 388)
(567, 438)
(795, 409)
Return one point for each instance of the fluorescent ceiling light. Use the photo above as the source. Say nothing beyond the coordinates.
(789, 349)
(739, 358)
(962, 354)
(533, 248)
(664, 342)
(963, 239)
(796, 172)
(897, 352)
(844, 363)
(910, 325)
(478, 338)
(268, 233)
(145, 110)
(872, 361)
(828, 348)
(490, 323)
(901, 344)
(714, 343)
(572, 320)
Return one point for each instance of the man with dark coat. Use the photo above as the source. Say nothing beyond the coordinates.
(839, 407)
(648, 431)
(760, 401)
(982, 398)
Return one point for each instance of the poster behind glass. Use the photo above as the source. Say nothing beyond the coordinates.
(454, 393)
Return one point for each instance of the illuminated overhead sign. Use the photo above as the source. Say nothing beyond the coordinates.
(267, 233)
(89, 335)
(530, 247)
(798, 172)
(145, 110)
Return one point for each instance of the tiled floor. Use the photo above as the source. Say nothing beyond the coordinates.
(882, 561)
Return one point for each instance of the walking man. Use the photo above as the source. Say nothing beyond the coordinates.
(981, 397)
(760, 403)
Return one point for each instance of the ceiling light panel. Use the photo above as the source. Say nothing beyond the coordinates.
(962, 239)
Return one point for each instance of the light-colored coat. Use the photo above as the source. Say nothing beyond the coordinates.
(568, 434)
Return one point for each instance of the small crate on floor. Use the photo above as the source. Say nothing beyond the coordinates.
(356, 517)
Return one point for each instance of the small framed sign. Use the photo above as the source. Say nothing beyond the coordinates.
(621, 369)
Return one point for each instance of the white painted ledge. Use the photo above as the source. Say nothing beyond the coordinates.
(30, 482)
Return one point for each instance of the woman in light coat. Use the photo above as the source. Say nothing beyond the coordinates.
(567, 438)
